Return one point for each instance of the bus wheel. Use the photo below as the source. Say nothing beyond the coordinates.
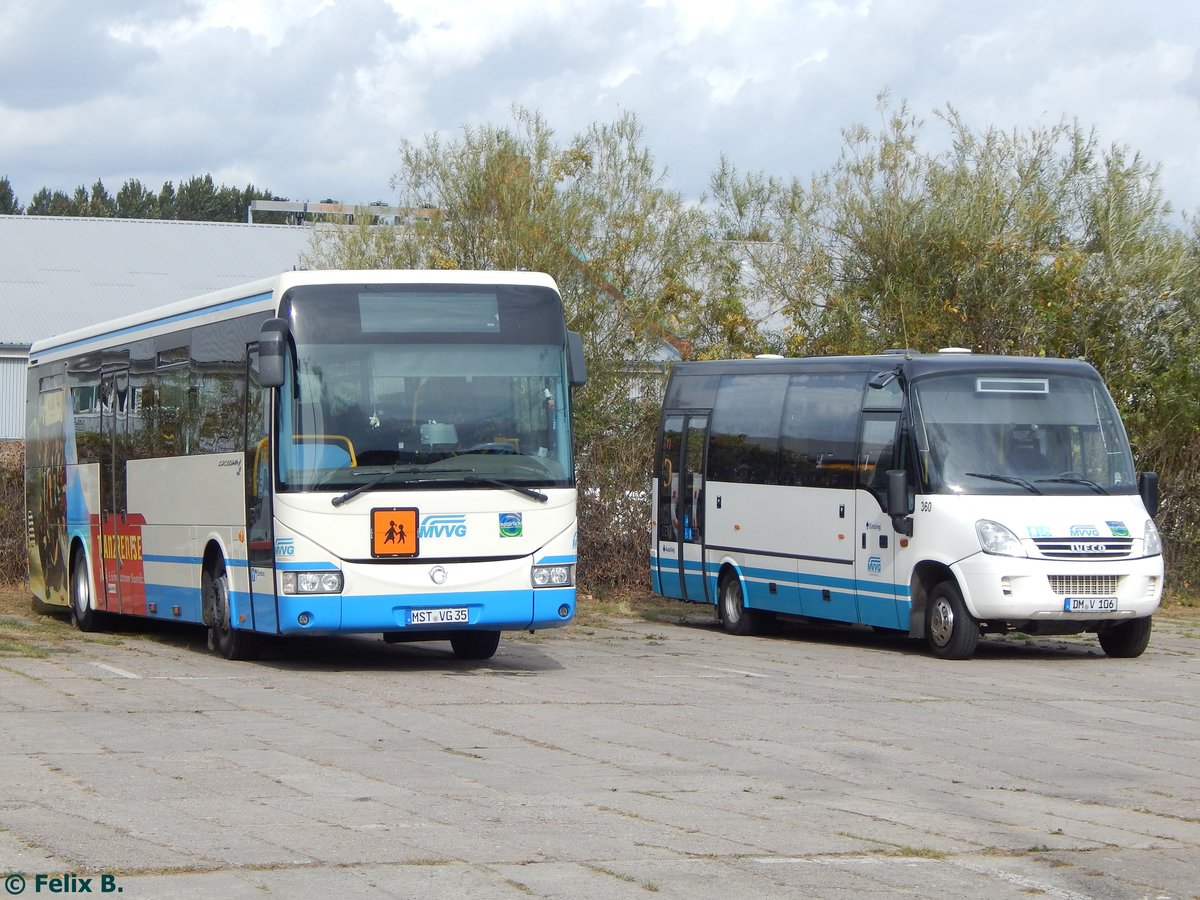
(1127, 640)
(735, 618)
(475, 644)
(230, 642)
(82, 614)
(952, 632)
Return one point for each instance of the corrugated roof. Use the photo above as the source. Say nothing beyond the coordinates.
(58, 273)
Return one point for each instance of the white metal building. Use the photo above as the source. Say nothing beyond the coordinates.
(58, 273)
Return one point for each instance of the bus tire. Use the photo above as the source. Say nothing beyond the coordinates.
(735, 617)
(1126, 640)
(951, 631)
(475, 644)
(83, 614)
(230, 642)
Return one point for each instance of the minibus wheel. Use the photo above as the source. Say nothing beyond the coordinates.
(82, 614)
(475, 644)
(952, 632)
(1126, 640)
(735, 618)
(230, 642)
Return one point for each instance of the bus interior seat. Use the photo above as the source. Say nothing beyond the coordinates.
(323, 451)
(1023, 454)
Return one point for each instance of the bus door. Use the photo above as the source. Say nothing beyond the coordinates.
(875, 544)
(680, 483)
(114, 429)
(259, 501)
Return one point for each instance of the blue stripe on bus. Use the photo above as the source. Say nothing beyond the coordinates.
(231, 563)
(514, 610)
(510, 610)
(782, 576)
(870, 602)
(155, 323)
(168, 596)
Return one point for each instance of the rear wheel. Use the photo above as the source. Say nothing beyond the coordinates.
(475, 644)
(230, 642)
(951, 631)
(735, 617)
(1127, 640)
(82, 614)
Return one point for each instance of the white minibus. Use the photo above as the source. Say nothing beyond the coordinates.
(942, 495)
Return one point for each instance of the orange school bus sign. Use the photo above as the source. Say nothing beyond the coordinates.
(394, 533)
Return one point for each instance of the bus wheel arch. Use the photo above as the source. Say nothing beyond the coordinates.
(217, 609)
(82, 596)
(951, 632)
(925, 577)
(735, 616)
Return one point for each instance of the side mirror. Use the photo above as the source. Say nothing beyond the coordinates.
(1148, 488)
(897, 499)
(272, 347)
(576, 365)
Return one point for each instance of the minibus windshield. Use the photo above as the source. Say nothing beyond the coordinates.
(1023, 432)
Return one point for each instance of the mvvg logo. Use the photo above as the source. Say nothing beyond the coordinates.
(874, 565)
(443, 526)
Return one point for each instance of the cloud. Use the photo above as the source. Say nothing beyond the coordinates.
(311, 98)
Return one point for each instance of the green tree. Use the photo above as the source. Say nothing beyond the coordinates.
(135, 201)
(100, 204)
(52, 203)
(166, 201)
(9, 204)
(594, 213)
(197, 200)
(1037, 243)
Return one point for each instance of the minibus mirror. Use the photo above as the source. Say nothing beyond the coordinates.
(898, 503)
(1148, 488)
(576, 365)
(272, 345)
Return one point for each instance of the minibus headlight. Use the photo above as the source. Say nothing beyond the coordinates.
(312, 582)
(553, 576)
(996, 539)
(1153, 543)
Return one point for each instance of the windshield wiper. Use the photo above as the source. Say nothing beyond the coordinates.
(528, 492)
(1007, 479)
(1099, 489)
(379, 479)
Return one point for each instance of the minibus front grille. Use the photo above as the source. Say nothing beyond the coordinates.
(1084, 585)
(1085, 547)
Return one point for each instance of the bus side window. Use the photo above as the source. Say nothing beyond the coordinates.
(877, 453)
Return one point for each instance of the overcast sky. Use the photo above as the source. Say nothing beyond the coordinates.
(311, 98)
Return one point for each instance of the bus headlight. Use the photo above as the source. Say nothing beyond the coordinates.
(312, 582)
(994, 538)
(553, 576)
(1153, 543)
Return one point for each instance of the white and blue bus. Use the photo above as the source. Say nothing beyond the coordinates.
(323, 452)
(942, 495)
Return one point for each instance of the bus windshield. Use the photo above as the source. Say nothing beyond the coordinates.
(1019, 433)
(432, 387)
